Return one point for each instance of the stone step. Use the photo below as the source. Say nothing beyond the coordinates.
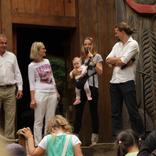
(100, 149)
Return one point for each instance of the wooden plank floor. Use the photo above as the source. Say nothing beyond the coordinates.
(100, 149)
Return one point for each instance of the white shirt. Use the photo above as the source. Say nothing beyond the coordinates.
(132, 153)
(41, 76)
(126, 51)
(9, 70)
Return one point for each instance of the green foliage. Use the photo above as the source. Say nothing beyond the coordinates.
(58, 67)
(59, 71)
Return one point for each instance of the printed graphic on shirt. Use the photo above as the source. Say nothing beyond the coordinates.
(45, 73)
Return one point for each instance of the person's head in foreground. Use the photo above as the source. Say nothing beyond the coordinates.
(15, 149)
(127, 142)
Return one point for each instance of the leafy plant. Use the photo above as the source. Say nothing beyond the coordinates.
(58, 67)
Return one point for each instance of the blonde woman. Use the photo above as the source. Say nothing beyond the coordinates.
(55, 142)
(94, 62)
(42, 89)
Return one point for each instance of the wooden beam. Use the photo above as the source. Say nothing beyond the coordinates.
(6, 25)
(44, 20)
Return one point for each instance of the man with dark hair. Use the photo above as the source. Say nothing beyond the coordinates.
(122, 84)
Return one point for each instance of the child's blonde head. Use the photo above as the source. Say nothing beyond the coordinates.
(59, 122)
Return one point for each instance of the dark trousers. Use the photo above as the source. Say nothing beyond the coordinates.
(125, 92)
(93, 106)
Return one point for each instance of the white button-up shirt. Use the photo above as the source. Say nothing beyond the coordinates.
(126, 51)
(9, 70)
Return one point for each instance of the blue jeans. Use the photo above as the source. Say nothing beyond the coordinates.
(125, 93)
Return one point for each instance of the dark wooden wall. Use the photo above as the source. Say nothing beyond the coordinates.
(94, 18)
(52, 13)
(59, 13)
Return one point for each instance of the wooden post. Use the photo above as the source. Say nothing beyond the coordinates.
(6, 22)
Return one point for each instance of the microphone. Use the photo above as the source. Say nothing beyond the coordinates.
(86, 50)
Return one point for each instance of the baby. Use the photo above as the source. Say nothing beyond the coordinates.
(79, 71)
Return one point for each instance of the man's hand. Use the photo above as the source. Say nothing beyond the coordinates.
(19, 94)
(128, 64)
(115, 61)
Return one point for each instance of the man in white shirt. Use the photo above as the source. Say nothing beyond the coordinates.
(10, 78)
(122, 84)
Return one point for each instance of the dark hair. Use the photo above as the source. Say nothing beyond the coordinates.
(123, 26)
(16, 149)
(126, 139)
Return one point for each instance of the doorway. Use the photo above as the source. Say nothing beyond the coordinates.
(58, 45)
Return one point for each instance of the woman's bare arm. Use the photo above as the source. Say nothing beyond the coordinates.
(99, 68)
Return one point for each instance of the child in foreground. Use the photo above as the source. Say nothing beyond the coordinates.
(54, 143)
(127, 143)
